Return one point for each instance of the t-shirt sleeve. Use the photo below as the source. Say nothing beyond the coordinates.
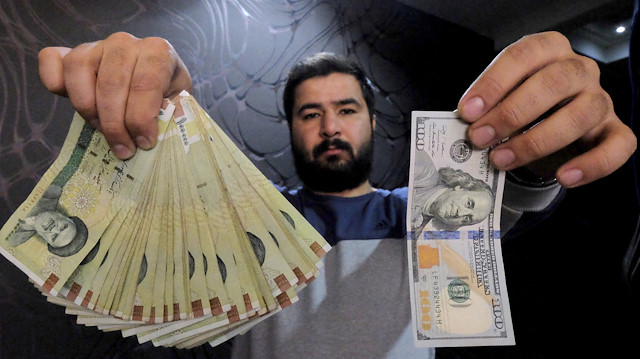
(523, 207)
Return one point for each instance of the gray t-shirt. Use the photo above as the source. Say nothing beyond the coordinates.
(358, 307)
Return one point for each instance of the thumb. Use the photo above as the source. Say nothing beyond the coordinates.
(51, 70)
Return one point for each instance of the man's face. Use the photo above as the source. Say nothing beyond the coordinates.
(55, 228)
(331, 133)
(461, 207)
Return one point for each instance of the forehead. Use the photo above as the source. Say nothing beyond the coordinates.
(481, 198)
(327, 89)
(477, 194)
(51, 215)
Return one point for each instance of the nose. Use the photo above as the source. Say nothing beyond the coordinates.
(461, 212)
(461, 209)
(329, 125)
(50, 237)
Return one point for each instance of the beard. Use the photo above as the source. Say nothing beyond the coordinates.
(334, 174)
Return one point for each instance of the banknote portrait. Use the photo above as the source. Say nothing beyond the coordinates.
(65, 235)
(448, 198)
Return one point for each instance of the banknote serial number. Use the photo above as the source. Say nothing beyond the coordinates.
(427, 308)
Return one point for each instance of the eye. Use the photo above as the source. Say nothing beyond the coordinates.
(470, 203)
(64, 226)
(347, 111)
(467, 219)
(49, 224)
(53, 237)
(309, 116)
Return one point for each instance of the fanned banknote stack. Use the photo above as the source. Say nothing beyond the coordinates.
(184, 244)
(457, 283)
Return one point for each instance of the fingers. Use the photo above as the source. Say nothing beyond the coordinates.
(118, 58)
(540, 75)
(516, 63)
(559, 82)
(606, 145)
(117, 84)
(153, 78)
(616, 144)
(80, 66)
(50, 69)
(580, 115)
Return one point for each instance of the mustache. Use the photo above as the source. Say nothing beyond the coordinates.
(335, 143)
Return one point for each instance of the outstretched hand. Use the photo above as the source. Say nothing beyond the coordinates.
(529, 78)
(117, 84)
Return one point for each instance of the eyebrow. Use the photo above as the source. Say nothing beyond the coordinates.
(342, 102)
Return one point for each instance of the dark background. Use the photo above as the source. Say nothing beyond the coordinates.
(563, 277)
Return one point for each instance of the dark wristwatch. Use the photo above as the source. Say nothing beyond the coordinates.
(525, 177)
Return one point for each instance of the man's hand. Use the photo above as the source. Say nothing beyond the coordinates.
(117, 84)
(530, 77)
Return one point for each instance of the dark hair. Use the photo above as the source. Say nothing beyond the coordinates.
(323, 64)
(76, 243)
(452, 178)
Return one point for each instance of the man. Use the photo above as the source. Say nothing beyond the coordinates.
(359, 307)
(450, 198)
(64, 235)
(328, 104)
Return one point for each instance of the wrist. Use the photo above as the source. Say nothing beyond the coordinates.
(525, 177)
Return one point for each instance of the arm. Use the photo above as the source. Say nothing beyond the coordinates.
(117, 84)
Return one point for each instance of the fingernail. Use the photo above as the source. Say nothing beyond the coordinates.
(570, 177)
(503, 157)
(482, 136)
(472, 108)
(143, 142)
(121, 151)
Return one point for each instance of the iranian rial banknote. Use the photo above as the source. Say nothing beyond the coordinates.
(458, 289)
(181, 245)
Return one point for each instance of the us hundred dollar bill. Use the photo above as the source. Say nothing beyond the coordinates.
(458, 291)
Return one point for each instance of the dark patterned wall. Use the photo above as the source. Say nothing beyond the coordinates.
(239, 53)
